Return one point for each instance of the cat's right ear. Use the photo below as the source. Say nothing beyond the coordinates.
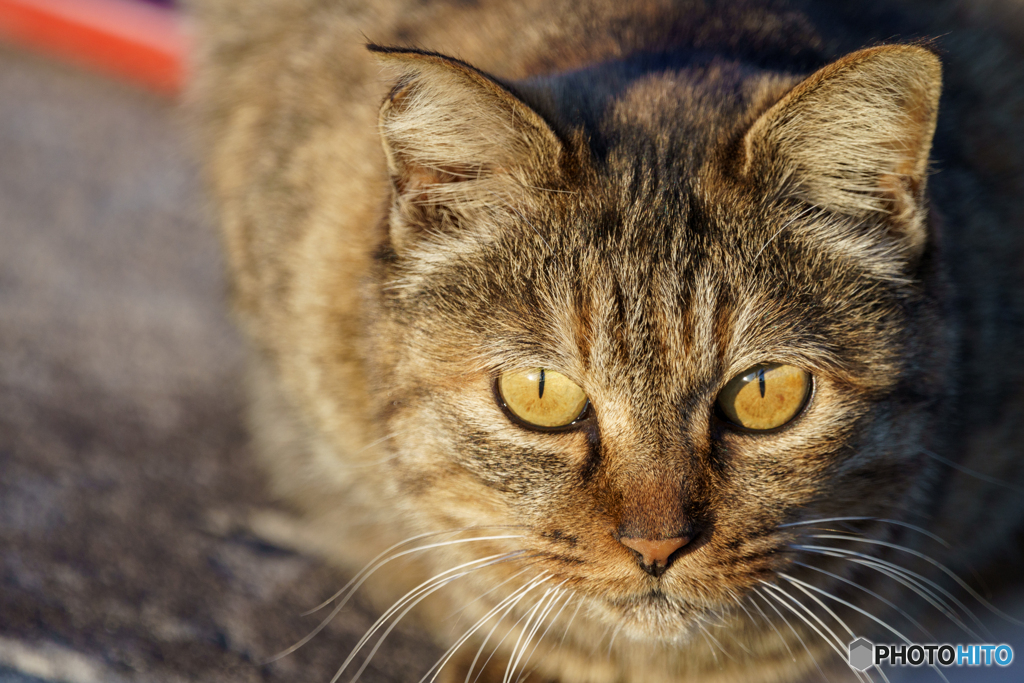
(458, 143)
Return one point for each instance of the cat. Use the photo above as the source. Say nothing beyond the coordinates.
(648, 335)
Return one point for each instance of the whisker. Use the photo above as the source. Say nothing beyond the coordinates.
(818, 601)
(508, 603)
(489, 591)
(935, 563)
(833, 615)
(977, 475)
(739, 602)
(930, 596)
(711, 636)
(409, 601)
(704, 634)
(537, 582)
(514, 658)
(908, 578)
(764, 595)
(595, 643)
(547, 601)
(835, 643)
(926, 585)
(611, 641)
(800, 584)
(774, 627)
(913, 527)
(515, 654)
(579, 606)
(873, 594)
(504, 638)
(569, 596)
(370, 568)
(540, 620)
(357, 581)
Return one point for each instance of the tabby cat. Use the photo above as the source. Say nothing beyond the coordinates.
(643, 336)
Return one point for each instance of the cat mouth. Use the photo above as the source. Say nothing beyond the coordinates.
(656, 614)
(651, 602)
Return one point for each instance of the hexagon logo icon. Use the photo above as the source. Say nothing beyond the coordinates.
(862, 654)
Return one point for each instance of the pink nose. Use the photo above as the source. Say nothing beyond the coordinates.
(654, 554)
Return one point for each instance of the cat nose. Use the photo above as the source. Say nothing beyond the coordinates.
(655, 555)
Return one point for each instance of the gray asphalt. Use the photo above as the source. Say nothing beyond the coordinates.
(126, 488)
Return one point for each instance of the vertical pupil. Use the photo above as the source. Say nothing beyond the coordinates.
(760, 380)
(540, 393)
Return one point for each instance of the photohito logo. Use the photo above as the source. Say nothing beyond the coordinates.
(864, 654)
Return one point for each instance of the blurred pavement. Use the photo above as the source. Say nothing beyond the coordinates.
(125, 486)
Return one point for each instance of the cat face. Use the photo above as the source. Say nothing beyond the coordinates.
(650, 261)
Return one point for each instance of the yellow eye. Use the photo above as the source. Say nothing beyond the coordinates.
(765, 396)
(542, 398)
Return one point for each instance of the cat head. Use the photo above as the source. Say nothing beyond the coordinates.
(722, 280)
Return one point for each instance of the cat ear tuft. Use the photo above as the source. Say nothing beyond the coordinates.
(854, 137)
(455, 137)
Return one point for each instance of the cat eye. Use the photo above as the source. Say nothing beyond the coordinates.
(765, 397)
(541, 398)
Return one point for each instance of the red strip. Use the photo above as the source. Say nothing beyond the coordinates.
(139, 42)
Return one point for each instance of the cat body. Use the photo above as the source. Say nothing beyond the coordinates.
(650, 198)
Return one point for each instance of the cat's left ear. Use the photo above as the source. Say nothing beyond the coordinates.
(854, 138)
(456, 138)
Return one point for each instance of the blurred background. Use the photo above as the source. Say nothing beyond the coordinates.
(128, 502)
(126, 493)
